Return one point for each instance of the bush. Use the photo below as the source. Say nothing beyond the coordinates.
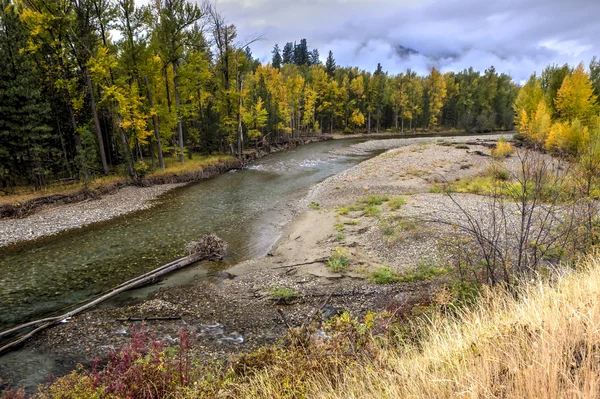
(145, 369)
(424, 270)
(371, 210)
(141, 169)
(314, 206)
(503, 149)
(397, 203)
(338, 261)
(384, 275)
(282, 294)
(375, 199)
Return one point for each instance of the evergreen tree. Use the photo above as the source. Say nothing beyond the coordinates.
(25, 146)
(288, 53)
(330, 65)
(314, 57)
(277, 60)
(248, 53)
(301, 55)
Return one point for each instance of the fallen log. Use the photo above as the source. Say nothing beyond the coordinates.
(130, 319)
(212, 241)
(322, 260)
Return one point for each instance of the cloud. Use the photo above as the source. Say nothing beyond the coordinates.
(516, 36)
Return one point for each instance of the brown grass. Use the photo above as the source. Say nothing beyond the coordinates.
(173, 167)
(546, 345)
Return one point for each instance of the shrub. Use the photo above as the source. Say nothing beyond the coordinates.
(282, 294)
(384, 275)
(339, 227)
(371, 210)
(424, 270)
(397, 203)
(375, 200)
(145, 369)
(342, 210)
(338, 261)
(503, 149)
(314, 206)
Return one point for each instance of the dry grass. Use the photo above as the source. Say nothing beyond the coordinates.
(173, 167)
(22, 194)
(546, 345)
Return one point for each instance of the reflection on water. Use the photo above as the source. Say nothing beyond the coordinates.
(245, 208)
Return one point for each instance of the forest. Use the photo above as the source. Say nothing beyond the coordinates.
(96, 87)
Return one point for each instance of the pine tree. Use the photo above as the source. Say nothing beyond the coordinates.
(314, 58)
(277, 60)
(301, 56)
(330, 65)
(288, 53)
(248, 53)
(25, 147)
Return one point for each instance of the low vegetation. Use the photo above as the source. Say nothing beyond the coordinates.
(542, 342)
(282, 294)
(503, 149)
(424, 270)
(383, 275)
(338, 261)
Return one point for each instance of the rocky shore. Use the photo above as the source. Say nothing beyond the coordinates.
(72, 216)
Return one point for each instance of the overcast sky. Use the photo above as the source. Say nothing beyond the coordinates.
(516, 36)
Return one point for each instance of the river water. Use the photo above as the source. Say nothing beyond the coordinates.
(247, 208)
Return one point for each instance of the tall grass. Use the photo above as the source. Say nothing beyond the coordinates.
(540, 342)
(544, 345)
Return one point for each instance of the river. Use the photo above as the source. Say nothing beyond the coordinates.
(247, 208)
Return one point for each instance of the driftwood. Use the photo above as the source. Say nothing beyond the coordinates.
(215, 251)
(303, 264)
(150, 319)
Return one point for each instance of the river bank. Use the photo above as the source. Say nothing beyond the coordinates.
(49, 215)
(237, 311)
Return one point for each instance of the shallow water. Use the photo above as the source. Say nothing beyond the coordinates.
(244, 207)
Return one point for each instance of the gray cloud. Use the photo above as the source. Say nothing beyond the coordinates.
(516, 36)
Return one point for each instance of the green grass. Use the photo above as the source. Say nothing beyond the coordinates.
(282, 294)
(374, 200)
(338, 261)
(314, 206)
(424, 270)
(371, 211)
(352, 223)
(342, 210)
(339, 227)
(383, 275)
(340, 236)
(397, 203)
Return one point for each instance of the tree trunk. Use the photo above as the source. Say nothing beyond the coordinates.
(78, 144)
(161, 160)
(64, 148)
(178, 104)
(369, 123)
(96, 121)
(240, 132)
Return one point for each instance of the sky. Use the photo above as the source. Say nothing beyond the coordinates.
(517, 37)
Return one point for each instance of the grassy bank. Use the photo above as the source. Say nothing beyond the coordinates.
(544, 344)
(172, 167)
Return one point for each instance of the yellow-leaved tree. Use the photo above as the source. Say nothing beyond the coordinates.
(576, 99)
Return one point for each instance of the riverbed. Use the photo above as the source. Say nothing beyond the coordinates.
(248, 208)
